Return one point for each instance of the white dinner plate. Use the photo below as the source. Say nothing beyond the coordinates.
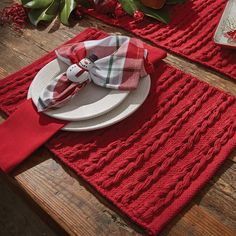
(133, 101)
(229, 15)
(90, 102)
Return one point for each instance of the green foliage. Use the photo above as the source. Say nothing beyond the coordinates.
(47, 10)
(130, 6)
(36, 4)
(67, 7)
(161, 14)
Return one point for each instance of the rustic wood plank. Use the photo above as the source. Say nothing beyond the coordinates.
(16, 218)
(219, 196)
(196, 221)
(233, 156)
(3, 73)
(68, 199)
(74, 204)
(82, 206)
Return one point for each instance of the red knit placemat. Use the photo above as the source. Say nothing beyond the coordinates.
(151, 164)
(190, 33)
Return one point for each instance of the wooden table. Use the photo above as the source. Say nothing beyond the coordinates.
(69, 201)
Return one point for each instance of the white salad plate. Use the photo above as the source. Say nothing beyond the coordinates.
(90, 102)
(133, 101)
(227, 20)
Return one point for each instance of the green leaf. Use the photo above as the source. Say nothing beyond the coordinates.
(48, 14)
(24, 2)
(161, 14)
(130, 6)
(36, 4)
(67, 7)
(175, 1)
(133, 5)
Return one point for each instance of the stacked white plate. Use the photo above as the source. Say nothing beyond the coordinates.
(228, 20)
(93, 107)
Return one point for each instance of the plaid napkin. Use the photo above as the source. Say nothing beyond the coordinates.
(115, 62)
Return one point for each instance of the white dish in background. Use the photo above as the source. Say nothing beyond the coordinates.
(90, 102)
(229, 14)
(133, 101)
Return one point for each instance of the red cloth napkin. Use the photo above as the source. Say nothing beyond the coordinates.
(23, 132)
(26, 129)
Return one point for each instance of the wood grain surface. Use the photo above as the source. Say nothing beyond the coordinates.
(12, 210)
(72, 203)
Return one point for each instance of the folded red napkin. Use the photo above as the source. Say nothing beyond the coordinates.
(23, 132)
(26, 129)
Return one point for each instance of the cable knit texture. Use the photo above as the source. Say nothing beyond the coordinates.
(190, 33)
(151, 164)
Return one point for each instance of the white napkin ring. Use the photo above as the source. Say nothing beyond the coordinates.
(79, 73)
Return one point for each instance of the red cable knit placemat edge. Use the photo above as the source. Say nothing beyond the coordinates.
(190, 33)
(151, 164)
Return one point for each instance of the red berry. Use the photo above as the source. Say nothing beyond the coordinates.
(119, 12)
(14, 15)
(231, 35)
(138, 15)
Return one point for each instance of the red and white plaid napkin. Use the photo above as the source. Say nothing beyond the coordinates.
(115, 62)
